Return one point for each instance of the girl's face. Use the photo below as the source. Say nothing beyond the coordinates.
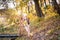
(24, 17)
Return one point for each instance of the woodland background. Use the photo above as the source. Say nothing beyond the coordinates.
(44, 19)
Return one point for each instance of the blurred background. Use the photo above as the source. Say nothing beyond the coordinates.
(44, 16)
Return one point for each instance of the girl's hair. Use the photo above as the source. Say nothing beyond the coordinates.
(28, 20)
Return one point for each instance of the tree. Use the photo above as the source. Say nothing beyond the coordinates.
(38, 9)
(50, 2)
(58, 1)
(41, 3)
(56, 6)
(45, 3)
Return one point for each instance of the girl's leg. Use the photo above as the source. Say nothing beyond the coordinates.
(27, 29)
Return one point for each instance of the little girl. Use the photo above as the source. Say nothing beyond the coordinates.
(26, 24)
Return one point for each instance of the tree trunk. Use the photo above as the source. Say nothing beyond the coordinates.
(45, 4)
(41, 4)
(38, 9)
(56, 6)
(49, 2)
